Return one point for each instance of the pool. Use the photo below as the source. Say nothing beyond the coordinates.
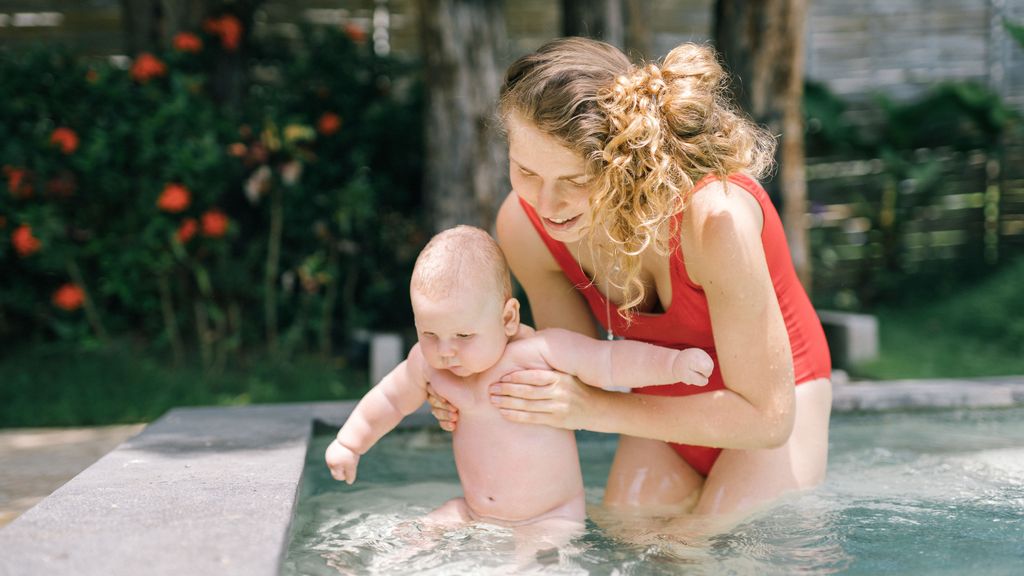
(920, 492)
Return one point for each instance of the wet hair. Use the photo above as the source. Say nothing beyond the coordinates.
(457, 255)
(647, 134)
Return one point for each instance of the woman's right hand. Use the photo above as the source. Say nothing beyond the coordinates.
(446, 414)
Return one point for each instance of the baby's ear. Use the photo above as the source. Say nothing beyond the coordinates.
(510, 317)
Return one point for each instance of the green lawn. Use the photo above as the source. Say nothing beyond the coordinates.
(56, 385)
(977, 330)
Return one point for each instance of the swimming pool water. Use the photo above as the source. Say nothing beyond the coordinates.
(931, 492)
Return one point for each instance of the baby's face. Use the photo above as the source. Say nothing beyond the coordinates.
(464, 332)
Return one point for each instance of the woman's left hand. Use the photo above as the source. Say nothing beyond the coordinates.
(544, 397)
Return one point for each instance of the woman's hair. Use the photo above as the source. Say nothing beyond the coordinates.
(647, 134)
(460, 255)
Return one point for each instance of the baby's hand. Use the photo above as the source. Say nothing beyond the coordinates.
(342, 462)
(693, 366)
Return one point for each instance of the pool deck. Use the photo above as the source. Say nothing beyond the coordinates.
(211, 490)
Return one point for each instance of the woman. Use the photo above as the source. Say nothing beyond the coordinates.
(635, 203)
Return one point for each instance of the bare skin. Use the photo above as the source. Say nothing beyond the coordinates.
(512, 473)
(774, 434)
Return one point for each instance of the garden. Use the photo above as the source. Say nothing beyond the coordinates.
(165, 245)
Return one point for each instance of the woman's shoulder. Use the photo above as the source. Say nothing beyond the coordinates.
(719, 221)
(715, 204)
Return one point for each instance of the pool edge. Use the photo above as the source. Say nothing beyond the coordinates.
(222, 485)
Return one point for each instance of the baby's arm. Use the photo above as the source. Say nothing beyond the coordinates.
(623, 363)
(401, 392)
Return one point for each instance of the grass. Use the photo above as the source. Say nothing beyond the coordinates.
(976, 330)
(58, 385)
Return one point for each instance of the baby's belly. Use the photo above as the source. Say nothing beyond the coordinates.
(516, 472)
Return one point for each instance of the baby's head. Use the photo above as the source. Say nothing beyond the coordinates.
(462, 299)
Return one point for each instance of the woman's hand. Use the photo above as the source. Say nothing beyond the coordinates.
(446, 414)
(543, 397)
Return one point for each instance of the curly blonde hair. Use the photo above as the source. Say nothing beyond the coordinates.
(647, 134)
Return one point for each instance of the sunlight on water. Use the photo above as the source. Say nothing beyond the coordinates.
(907, 493)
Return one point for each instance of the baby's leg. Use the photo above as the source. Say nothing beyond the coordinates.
(540, 542)
(423, 535)
(452, 512)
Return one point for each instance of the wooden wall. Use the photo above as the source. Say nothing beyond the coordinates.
(857, 48)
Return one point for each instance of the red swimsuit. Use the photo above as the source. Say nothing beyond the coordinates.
(687, 322)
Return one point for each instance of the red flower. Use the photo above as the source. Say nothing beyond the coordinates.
(329, 123)
(25, 244)
(147, 67)
(228, 28)
(92, 76)
(187, 230)
(66, 139)
(17, 182)
(187, 42)
(355, 33)
(215, 223)
(69, 297)
(174, 198)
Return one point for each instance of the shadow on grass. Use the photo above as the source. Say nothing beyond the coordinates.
(65, 385)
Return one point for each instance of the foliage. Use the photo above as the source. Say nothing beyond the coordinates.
(963, 116)
(966, 116)
(918, 152)
(134, 205)
(828, 132)
(1016, 30)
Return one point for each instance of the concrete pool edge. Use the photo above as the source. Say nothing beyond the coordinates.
(219, 485)
(199, 491)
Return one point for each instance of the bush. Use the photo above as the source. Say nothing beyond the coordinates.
(137, 206)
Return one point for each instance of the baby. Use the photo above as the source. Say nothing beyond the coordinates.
(469, 336)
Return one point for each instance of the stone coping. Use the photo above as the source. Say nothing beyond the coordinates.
(211, 491)
(922, 394)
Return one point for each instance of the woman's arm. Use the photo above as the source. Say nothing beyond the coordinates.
(722, 241)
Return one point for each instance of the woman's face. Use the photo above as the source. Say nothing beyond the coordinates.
(549, 177)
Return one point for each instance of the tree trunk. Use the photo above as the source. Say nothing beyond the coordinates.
(639, 40)
(466, 175)
(763, 47)
(598, 19)
(150, 26)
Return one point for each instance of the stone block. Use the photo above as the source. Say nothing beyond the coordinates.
(852, 337)
(386, 352)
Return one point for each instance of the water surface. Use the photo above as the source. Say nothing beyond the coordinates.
(934, 492)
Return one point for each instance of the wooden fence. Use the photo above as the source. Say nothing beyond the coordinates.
(949, 214)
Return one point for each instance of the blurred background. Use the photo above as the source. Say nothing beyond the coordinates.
(219, 202)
